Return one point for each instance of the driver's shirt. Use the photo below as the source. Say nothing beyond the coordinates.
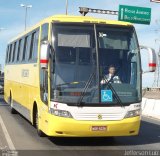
(115, 79)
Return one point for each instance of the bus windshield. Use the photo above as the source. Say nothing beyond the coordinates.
(95, 65)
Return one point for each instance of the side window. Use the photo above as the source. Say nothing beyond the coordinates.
(28, 47)
(13, 52)
(44, 86)
(16, 52)
(7, 51)
(10, 52)
(32, 43)
(35, 47)
(44, 34)
(25, 49)
(19, 48)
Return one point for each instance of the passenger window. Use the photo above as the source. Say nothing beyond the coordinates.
(7, 52)
(10, 52)
(25, 49)
(44, 86)
(35, 46)
(13, 53)
(28, 47)
(44, 35)
(16, 51)
(32, 43)
(19, 47)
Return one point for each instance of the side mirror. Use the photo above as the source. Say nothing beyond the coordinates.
(44, 54)
(151, 59)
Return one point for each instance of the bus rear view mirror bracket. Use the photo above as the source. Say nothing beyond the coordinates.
(151, 59)
(44, 54)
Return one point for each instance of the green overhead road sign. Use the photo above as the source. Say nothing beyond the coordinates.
(134, 14)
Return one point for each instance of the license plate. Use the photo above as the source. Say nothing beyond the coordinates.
(99, 128)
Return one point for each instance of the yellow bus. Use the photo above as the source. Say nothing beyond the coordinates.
(57, 76)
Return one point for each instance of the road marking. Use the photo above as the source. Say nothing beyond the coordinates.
(7, 136)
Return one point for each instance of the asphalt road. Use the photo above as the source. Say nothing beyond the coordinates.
(18, 133)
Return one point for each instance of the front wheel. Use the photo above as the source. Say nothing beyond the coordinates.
(40, 133)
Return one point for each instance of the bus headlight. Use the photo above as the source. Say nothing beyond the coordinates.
(133, 113)
(61, 113)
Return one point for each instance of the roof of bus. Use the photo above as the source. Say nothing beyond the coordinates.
(74, 19)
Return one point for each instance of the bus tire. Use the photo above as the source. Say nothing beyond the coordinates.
(12, 110)
(36, 123)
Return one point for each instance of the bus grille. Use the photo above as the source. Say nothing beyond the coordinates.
(100, 116)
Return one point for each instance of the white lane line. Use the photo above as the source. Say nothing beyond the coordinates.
(7, 136)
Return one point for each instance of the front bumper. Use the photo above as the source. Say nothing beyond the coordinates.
(67, 127)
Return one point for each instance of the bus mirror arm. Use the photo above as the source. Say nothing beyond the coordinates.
(151, 59)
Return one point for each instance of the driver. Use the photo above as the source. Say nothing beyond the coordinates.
(111, 76)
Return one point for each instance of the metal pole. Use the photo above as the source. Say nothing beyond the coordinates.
(66, 7)
(157, 73)
(26, 7)
(25, 18)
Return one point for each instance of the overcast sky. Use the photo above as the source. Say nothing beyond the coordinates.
(12, 18)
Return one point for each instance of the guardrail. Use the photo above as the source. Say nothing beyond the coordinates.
(151, 107)
(151, 102)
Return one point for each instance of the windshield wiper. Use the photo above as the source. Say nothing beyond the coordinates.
(113, 90)
(70, 83)
(79, 102)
